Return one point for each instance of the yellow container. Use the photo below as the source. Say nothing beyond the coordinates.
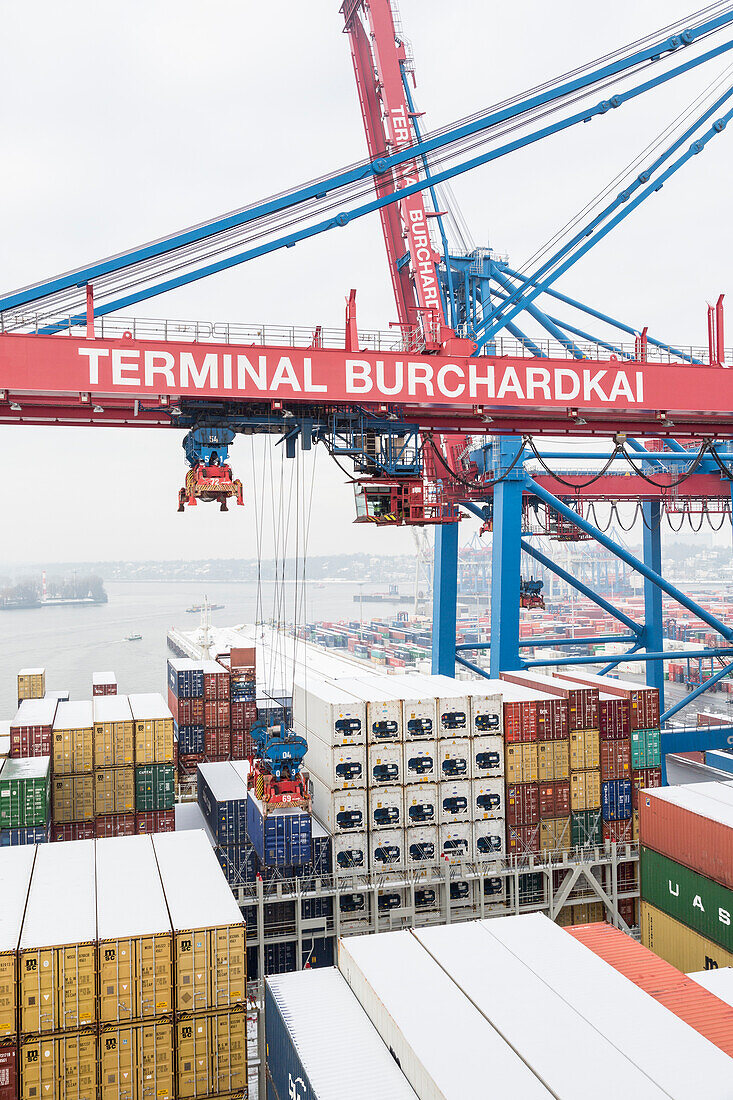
(211, 1054)
(16, 868)
(114, 732)
(31, 683)
(679, 945)
(210, 968)
(114, 791)
(585, 749)
(521, 763)
(555, 834)
(72, 798)
(72, 751)
(585, 790)
(136, 1061)
(154, 742)
(588, 912)
(135, 978)
(60, 1067)
(553, 760)
(57, 988)
(635, 825)
(565, 917)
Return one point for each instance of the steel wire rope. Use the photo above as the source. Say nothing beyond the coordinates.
(462, 480)
(306, 541)
(259, 511)
(283, 602)
(725, 512)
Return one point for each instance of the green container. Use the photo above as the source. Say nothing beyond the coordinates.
(25, 790)
(586, 829)
(646, 748)
(689, 898)
(155, 787)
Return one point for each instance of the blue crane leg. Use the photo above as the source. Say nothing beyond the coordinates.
(445, 596)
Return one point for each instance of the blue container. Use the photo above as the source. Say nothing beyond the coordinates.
(616, 799)
(239, 863)
(222, 798)
(32, 834)
(186, 679)
(281, 838)
(243, 691)
(191, 739)
(321, 851)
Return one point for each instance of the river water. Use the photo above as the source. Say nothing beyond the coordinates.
(72, 642)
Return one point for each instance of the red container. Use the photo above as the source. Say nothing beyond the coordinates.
(686, 836)
(242, 745)
(554, 798)
(520, 722)
(679, 994)
(613, 717)
(582, 700)
(217, 757)
(114, 825)
(30, 741)
(9, 1073)
(242, 715)
(626, 876)
(627, 911)
(523, 840)
(216, 714)
(522, 804)
(552, 720)
(615, 760)
(218, 742)
(216, 685)
(188, 763)
(643, 701)
(74, 830)
(155, 821)
(641, 778)
(619, 832)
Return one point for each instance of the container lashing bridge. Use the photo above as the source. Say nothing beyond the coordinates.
(441, 416)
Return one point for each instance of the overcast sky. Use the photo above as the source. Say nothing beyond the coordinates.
(124, 122)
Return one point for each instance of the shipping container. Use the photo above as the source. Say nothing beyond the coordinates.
(154, 787)
(208, 928)
(155, 821)
(489, 839)
(103, 683)
(191, 740)
(30, 730)
(454, 801)
(386, 848)
(216, 681)
(642, 779)
(419, 711)
(523, 840)
(420, 761)
(316, 1052)
(456, 841)
(186, 678)
(135, 956)
(521, 763)
(554, 799)
(384, 765)
(691, 825)
(16, 868)
(281, 836)
(555, 834)
(487, 756)
(586, 829)
(522, 804)
(211, 1055)
(421, 845)
(487, 799)
(619, 832)
(328, 712)
(614, 717)
(73, 830)
(616, 800)
(454, 758)
(615, 759)
(57, 944)
(32, 834)
(72, 739)
(114, 741)
(8, 1072)
(383, 710)
(60, 1066)
(582, 700)
(700, 903)
(222, 796)
(350, 853)
(114, 790)
(584, 750)
(678, 944)
(398, 984)
(553, 760)
(645, 748)
(31, 683)
(643, 700)
(114, 825)
(24, 792)
(136, 1061)
(341, 768)
(340, 811)
(386, 808)
(585, 790)
(421, 804)
(153, 729)
(72, 799)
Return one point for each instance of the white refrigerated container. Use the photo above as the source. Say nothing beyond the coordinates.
(454, 758)
(454, 801)
(384, 765)
(341, 768)
(421, 845)
(420, 761)
(456, 841)
(421, 804)
(487, 799)
(487, 756)
(386, 849)
(339, 811)
(328, 712)
(386, 808)
(489, 839)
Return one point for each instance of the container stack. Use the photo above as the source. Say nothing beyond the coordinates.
(154, 771)
(686, 836)
(104, 683)
(186, 702)
(30, 729)
(217, 719)
(31, 684)
(72, 766)
(25, 794)
(114, 766)
(243, 700)
(222, 798)
(16, 868)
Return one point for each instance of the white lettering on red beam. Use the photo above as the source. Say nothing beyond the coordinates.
(362, 378)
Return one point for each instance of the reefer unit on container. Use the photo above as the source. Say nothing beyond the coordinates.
(454, 758)
(487, 799)
(446, 1055)
(421, 845)
(24, 792)
(208, 928)
(419, 710)
(104, 683)
(16, 868)
(487, 756)
(135, 957)
(328, 712)
(114, 790)
(281, 836)
(386, 849)
(489, 839)
(386, 808)
(312, 1055)
(30, 730)
(486, 707)
(57, 957)
(114, 733)
(72, 748)
(692, 825)
(384, 764)
(186, 678)
(679, 945)
(341, 768)
(421, 804)
(456, 841)
(383, 710)
(153, 729)
(340, 811)
(454, 801)
(420, 761)
(72, 798)
(350, 853)
(222, 796)
(61, 1066)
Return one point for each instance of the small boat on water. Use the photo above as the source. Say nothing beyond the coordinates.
(134, 638)
(196, 607)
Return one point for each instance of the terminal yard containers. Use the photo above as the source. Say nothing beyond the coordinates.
(72, 739)
(57, 953)
(318, 1037)
(114, 734)
(24, 792)
(153, 729)
(31, 684)
(30, 730)
(104, 683)
(384, 765)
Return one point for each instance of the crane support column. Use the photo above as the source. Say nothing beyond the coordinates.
(653, 624)
(445, 596)
(506, 553)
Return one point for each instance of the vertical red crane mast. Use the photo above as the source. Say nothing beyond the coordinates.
(378, 55)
